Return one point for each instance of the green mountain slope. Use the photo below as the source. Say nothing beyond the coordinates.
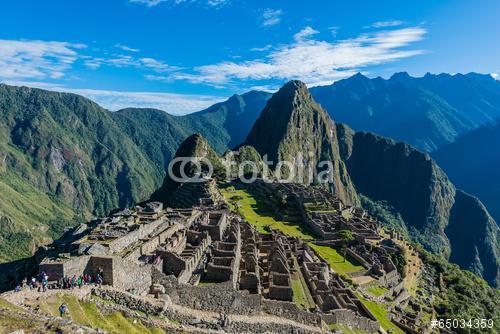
(436, 214)
(63, 157)
(173, 192)
(62, 151)
(227, 124)
(224, 124)
(426, 112)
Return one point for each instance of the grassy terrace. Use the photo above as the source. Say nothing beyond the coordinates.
(377, 291)
(301, 295)
(381, 314)
(336, 260)
(13, 317)
(258, 213)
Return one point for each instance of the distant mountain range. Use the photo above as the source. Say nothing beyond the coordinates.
(62, 157)
(426, 112)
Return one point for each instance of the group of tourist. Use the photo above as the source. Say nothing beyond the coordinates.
(41, 284)
(74, 281)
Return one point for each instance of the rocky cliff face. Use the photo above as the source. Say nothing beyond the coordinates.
(442, 218)
(474, 238)
(294, 128)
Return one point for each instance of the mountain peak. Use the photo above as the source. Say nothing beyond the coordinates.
(291, 124)
(193, 146)
(295, 85)
(400, 76)
(291, 90)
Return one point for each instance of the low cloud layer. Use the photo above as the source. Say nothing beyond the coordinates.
(175, 104)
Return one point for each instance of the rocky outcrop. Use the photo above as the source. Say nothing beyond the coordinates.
(204, 160)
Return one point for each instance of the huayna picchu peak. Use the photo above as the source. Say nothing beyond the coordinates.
(293, 127)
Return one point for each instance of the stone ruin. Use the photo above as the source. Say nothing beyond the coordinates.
(325, 215)
(207, 249)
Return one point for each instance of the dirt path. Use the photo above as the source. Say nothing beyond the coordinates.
(210, 316)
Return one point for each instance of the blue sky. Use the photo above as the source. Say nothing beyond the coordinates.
(183, 55)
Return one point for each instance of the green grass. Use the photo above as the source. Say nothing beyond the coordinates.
(86, 313)
(258, 213)
(301, 295)
(377, 290)
(298, 293)
(336, 260)
(381, 314)
(346, 330)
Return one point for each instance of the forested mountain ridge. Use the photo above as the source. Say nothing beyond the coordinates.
(427, 204)
(63, 157)
(426, 112)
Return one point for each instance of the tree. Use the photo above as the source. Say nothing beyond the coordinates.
(346, 238)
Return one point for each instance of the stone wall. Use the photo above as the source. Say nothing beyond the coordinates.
(353, 320)
(150, 246)
(128, 275)
(143, 232)
(220, 297)
(119, 244)
(70, 267)
(106, 264)
(290, 311)
(130, 301)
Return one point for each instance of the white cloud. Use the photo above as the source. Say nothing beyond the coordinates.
(271, 17)
(305, 34)
(36, 59)
(264, 48)
(149, 3)
(175, 104)
(126, 48)
(157, 65)
(129, 61)
(385, 24)
(217, 3)
(334, 31)
(313, 61)
(152, 3)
